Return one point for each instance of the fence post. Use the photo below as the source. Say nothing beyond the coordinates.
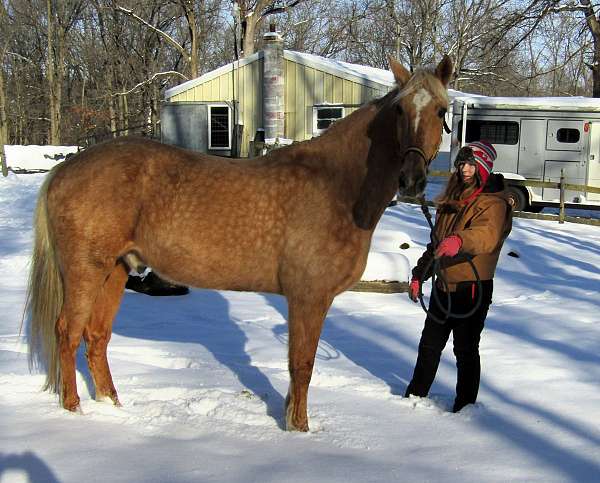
(3, 161)
(561, 212)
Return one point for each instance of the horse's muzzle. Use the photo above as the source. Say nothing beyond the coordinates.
(413, 176)
(412, 188)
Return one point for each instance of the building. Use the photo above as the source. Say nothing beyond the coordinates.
(275, 94)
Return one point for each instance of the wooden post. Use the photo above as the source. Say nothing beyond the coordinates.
(3, 161)
(561, 212)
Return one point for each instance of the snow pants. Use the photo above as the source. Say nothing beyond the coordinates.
(466, 334)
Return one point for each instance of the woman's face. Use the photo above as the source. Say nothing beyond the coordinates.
(467, 171)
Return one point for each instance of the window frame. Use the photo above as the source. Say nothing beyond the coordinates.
(571, 129)
(317, 108)
(492, 121)
(229, 123)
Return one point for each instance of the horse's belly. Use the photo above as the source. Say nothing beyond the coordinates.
(223, 266)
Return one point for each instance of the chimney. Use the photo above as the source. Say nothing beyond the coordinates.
(273, 88)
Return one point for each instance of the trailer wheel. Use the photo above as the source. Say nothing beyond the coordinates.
(516, 198)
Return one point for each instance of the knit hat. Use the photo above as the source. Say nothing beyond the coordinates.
(482, 154)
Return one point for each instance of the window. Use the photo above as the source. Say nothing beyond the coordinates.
(324, 116)
(565, 135)
(219, 127)
(495, 132)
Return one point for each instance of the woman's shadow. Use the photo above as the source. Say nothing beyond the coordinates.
(202, 316)
(28, 463)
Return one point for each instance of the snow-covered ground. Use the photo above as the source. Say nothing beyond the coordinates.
(203, 377)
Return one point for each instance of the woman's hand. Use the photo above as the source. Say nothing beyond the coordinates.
(449, 246)
(413, 289)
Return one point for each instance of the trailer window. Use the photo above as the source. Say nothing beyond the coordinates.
(495, 132)
(565, 135)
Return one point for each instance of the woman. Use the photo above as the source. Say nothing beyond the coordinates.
(473, 218)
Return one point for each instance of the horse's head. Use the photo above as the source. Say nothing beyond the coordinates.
(420, 105)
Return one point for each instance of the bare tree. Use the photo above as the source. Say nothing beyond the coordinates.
(4, 42)
(591, 17)
(61, 17)
(250, 15)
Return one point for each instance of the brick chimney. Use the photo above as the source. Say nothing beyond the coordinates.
(273, 88)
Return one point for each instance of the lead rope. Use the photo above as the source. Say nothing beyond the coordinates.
(437, 271)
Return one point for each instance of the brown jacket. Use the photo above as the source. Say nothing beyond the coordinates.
(483, 225)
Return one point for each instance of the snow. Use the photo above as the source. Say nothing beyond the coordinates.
(203, 377)
(36, 157)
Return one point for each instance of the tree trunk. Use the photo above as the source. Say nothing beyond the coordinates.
(594, 28)
(596, 68)
(248, 33)
(190, 15)
(3, 116)
(53, 129)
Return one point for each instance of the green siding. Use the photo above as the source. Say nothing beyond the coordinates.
(307, 86)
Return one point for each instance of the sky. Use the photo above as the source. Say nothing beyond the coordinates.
(202, 377)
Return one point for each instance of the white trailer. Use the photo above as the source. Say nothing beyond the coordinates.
(536, 139)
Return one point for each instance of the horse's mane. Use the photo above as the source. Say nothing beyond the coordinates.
(423, 77)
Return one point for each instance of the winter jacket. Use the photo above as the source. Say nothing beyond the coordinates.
(482, 224)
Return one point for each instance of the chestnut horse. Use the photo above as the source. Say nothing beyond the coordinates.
(297, 222)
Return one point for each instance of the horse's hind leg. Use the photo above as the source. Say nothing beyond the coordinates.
(81, 289)
(98, 331)
(305, 324)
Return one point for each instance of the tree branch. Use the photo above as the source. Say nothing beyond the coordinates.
(167, 37)
(149, 81)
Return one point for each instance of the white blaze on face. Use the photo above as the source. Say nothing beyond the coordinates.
(420, 100)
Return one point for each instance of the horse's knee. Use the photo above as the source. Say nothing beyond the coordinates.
(301, 373)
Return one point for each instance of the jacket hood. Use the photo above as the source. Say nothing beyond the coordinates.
(495, 184)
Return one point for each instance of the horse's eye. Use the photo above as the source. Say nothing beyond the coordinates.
(442, 112)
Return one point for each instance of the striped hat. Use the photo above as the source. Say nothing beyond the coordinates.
(484, 155)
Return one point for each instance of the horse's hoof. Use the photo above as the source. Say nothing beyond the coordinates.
(299, 429)
(72, 407)
(109, 398)
(302, 427)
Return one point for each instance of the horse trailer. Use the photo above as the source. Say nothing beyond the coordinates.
(536, 139)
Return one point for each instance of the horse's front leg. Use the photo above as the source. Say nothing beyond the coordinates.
(305, 324)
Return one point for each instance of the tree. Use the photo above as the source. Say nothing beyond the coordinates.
(61, 17)
(592, 22)
(250, 16)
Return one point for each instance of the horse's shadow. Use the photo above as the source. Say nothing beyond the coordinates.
(201, 317)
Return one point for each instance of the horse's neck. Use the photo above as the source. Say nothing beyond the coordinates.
(365, 158)
(357, 153)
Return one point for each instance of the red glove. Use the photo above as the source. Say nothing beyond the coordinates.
(413, 289)
(449, 246)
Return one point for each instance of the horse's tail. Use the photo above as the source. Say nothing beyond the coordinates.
(44, 295)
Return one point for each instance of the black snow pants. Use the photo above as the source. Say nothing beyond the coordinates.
(466, 335)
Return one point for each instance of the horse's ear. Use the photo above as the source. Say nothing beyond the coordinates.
(400, 73)
(444, 70)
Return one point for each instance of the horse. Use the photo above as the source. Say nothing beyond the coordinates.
(303, 230)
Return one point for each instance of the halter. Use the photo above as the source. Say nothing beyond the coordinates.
(419, 151)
